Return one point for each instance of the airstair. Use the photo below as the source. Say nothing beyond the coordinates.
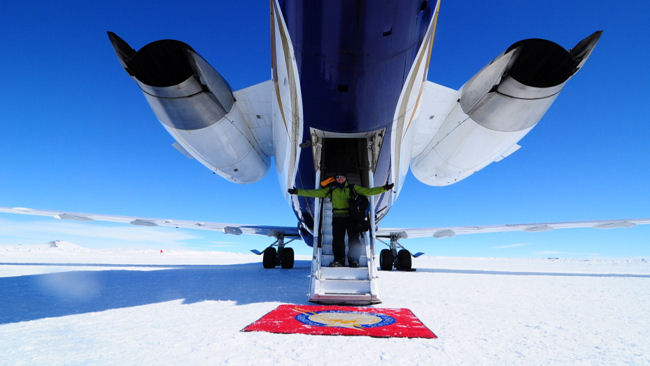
(357, 156)
(342, 285)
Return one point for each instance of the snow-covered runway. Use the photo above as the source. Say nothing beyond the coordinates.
(70, 305)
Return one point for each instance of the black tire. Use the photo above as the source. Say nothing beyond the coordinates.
(268, 260)
(286, 258)
(404, 260)
(386, 260)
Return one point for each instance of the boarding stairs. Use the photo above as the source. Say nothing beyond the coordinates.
(342, 285)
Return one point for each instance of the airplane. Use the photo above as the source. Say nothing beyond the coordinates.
(348, 93)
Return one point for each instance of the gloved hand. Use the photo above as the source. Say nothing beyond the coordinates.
(293, 190)
(388, 186)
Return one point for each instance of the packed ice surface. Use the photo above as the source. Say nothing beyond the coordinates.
(66, 304)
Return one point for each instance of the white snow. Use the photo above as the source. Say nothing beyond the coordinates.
(75, 306)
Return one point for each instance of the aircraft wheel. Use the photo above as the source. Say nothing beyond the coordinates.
(268, 260)
(386, 260)
(404, 260)
(286, 258)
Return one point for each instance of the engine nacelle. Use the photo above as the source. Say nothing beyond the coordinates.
(196, 106)
(497, 107)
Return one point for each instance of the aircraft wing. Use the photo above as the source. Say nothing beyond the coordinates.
(234, 229)
(445, 232)
(274, 231)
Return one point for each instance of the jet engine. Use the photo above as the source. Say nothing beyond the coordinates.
(497, 107)
(196, 106)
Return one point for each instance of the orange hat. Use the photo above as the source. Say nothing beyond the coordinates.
(327, 181)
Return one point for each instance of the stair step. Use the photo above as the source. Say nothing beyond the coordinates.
(354, 287)
(326, 259)
(344, 299)
(344, 273)
(327, 250)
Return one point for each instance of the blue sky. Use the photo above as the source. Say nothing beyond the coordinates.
(77, 134)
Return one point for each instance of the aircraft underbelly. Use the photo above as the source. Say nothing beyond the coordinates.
(353, 59)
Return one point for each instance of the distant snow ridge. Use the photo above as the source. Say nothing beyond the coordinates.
(55, 246)
(65, 245)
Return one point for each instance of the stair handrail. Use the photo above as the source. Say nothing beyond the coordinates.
(316, 252)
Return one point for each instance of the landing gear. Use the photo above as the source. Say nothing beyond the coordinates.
(286, 258)
(283, 256)
(402, 260)
(386, 260)
(269, 258)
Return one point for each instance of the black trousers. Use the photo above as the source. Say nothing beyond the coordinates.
(341, 225)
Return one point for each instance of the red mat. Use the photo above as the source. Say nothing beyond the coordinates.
(341, 320)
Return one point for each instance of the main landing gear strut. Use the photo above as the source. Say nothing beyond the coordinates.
(283, 256)
(401, 260)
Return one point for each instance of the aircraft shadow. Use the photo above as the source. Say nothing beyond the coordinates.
(40, 296)
(515, 273)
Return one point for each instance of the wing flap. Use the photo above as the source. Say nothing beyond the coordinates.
(444, 232)
(227, 228)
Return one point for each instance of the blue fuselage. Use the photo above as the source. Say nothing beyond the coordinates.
(353, 58)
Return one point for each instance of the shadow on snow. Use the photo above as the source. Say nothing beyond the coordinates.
(40, 296)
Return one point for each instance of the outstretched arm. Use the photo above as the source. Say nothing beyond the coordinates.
(318, 193)
(374, 190)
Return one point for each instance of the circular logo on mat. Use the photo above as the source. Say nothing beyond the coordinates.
(345, 319)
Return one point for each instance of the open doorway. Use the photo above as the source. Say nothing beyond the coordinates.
(355, 155)
(348, 156)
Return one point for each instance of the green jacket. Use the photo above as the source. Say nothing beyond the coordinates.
(340, 196)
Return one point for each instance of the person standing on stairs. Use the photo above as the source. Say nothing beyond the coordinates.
(340, 193)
